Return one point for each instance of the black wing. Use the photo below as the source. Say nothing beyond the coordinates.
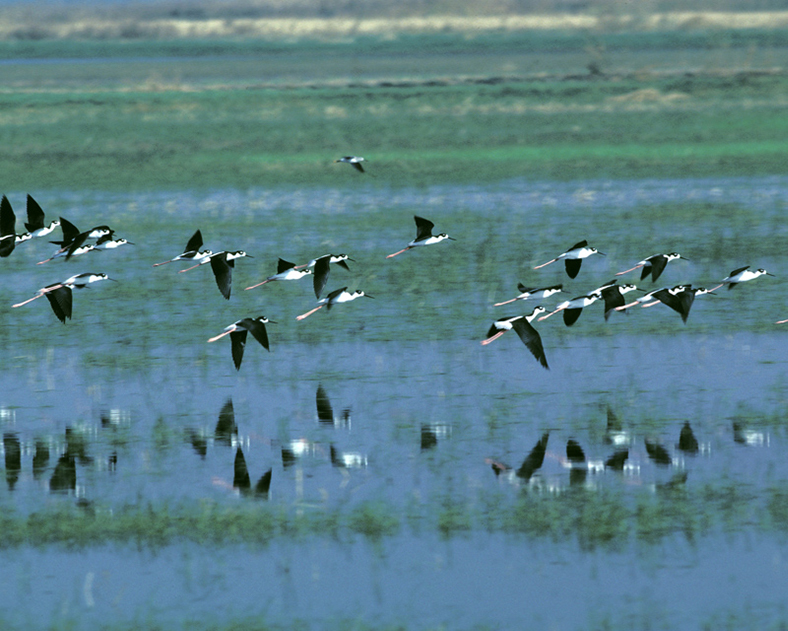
(257, 329)
(70, 232)
(571, 316)
(613, 298)
(534, 459)
(333, 295)
(572, 266)
(577, 246)
(195, 243)
(35, 215)
(238, 340)
(76, 242)
(658, 264)
(61, 301)
(223, 273)
(7, 227)
(680, 303)
(423, 227)
(358, 166)
(531, 338)
(283, 266)
(325, 412)
(320, 274)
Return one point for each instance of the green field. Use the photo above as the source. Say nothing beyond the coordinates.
(121, 115)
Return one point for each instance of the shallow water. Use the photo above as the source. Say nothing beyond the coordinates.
(419, 409)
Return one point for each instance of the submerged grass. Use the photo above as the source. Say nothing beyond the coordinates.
(600, 519)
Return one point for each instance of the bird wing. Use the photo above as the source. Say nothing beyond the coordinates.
(658, 264)
(423, 227)
(7, 218)
(61, 301)
(195, 243)
(76, 242)
(283, 266)
(738, 271)
(238, 342)
(571, 315)
(358, 166)
(531, 338)
(35, 215)
(223, 273)
(573, 266)
(333, 295)
(257, 329)
(579, 245)
(613, 298)
(70, 232)
(320, 274)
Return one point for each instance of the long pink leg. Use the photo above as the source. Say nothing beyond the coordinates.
(545, 264)
(781, 321)
(631, 269)
(627, 306)
(221, 335)
(651, 304)
(188, 268)
(499, 304)
(40, 293)
(162, 263)
(308, 313)
(19, 304)
(544, 317)
(494, 337)
(257, 285)
(400, 252)
(717, 287)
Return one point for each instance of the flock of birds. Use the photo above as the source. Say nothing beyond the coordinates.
(75, 243)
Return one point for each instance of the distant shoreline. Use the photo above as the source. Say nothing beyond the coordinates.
(85, 27)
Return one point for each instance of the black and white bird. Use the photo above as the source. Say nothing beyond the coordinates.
(532, 293)
(238, 331)
(522, 326)
(222, 264)
(321, 267)
(741, 275)
(613, 295)
(424, 236)
(60, 296)
(574, 308)
(336, 297)
(285, 270)
(679, 298)
(573, 257)
(35, 220)
(654, 265)
(192, 252)
(354, 161)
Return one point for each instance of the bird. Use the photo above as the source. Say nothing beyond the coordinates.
(741, 275)
(613, 295)
(7, 228)
(424, 236)
(108, 243)
(574, 308)
(335, 297)
(651, 298)
(679, 299)
(321, 267)
(73, 242)
(654, 265)
(192, 251)
(530, 293)
(527, 333)
(59, 294)
(35, 220)
(573, 257)
(354, 161)
(237, 332)
(222, 264)
(285, 270)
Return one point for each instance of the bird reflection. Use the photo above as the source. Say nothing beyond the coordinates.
(13, 458)
(40, 458)
(752, 437)
(325, 413)
(658, 453)
(433, 432)
(347, 459)
(294, 450)
(198, 441)
(64, 477)
(576, 458)
(687, 441)
(533, 461)
(243, 482)
(618, 460)
(225, 426)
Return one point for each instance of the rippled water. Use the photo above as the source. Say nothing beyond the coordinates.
(420, 409)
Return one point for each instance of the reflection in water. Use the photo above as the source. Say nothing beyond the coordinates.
(687, 441)
(226, 429)
(13, 459)
(325, 413)
(40, 458)
(64, 477)
(658, 453)
(243, 482)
